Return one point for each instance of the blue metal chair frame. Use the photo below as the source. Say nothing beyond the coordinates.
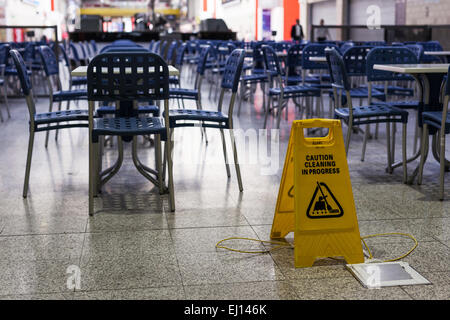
(217, 119)
(125, 78)
(364, 114)
(3, 60)
(281, 91)
(42, 121)
(51, 69)
(439, 121)
(391, 55)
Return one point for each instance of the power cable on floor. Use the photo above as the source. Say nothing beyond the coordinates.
(289, 245)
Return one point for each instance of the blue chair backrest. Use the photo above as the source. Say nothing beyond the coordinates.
(171, 51)
(94, 46)
(124, 43)
(3, 53)
(22, 73)
(314, 50)
(201, 63)
(430, 46)
(232, 70)
(389, 55)
(336, 67)
(180, 54)
(124, 49)
(345, 46)
(355, 60)
(271, 62)
(447, 83)
(258, 58)
(48, 58)
(64, 55)
(417, 49)
(75, 53)
(127, 77)
(294, 59)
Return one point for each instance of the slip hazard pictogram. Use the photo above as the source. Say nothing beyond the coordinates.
(323, 204)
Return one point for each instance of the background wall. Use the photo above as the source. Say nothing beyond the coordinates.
(34, 12)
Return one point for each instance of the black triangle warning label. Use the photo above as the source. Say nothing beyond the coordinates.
(323, 204)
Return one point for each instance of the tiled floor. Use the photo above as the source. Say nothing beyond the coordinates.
(134, 248)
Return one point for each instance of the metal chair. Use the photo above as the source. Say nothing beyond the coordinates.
(217, 119)
(281, 91)
(3, 57)
(51, 69)
(391, 55)
(42, 121)
(125, 78)
(361, 115)
(440, 121)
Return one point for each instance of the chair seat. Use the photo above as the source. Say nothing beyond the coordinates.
(78, 81)
(106, 110)
(196, 115)
(13, 72)
(127, 126)
(69, 95)
(218, 70)
(395, 90)
(363, 92)
(299, 90)
(373, 114)
(321, 85)
(434, 119)
(183, 93)
(59, 116)
(2, 82)
(174, 80)
(412, 104)
(293, 80)
(251, 78)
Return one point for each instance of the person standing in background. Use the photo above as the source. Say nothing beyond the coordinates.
(297, 31)
(322, 32)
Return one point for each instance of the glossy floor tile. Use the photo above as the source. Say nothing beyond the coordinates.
(135, 248)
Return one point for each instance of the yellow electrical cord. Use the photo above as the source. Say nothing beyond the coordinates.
(287, 244)
(389, 234)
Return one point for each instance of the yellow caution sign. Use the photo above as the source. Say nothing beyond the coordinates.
(324, 216)
(284, 218)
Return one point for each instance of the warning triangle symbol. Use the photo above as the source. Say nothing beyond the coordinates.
(323, 204)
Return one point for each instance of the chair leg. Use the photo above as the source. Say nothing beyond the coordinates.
(394, 131)
(366, 137)
(57, 131)
(1, 116)
(442, 163)
(169, 150)
(5, 94)
(267, 111)
(92, 176)
(279, 111)
(349, 135)
(388, 146)
(405, 167)
(28, 165)
(423, 152)
(50, 107)
(227, 166)
(236, 161)
(158, 163)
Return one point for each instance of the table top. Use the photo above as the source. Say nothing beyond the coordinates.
(318, 59)
(437, 53)
(414, 68)
(81, 71)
